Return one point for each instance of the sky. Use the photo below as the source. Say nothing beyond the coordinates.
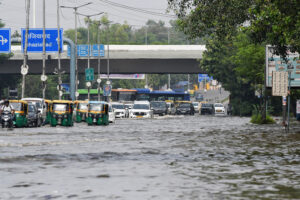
(12, 12)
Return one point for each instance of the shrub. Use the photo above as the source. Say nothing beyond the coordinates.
(257, 119)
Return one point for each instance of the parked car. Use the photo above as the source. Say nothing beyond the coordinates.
(219, 109)
(171, 108)
(141, 109)
(196, 106)
(111, 114)
(185, 109)
(120, 110)
(34, 116)
(207, 109)
(159, 107)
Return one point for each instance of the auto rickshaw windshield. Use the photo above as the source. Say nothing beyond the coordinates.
(16, 106)
(96, 107)
(60, 107)
(83, 106)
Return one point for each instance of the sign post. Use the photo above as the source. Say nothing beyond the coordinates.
(35, 40)
(5, 41)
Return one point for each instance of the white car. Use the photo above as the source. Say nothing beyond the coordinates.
(219, 109)
(119, 109)
(141, 109)
(111, 114)
(196, 106)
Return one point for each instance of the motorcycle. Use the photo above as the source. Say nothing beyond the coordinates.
(7, 119)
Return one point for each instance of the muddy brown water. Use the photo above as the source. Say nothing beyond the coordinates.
(192, 157)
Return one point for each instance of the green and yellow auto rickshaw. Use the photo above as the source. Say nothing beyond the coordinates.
(21, 113)
(48, 112)
(61, 113)
(81, 110)
(97, 113)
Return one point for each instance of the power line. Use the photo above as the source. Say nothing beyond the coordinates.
(138, 18)
(138, 9)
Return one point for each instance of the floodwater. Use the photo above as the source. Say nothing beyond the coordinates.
(166, 158)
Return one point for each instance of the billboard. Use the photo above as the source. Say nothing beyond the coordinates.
(275, 63)
(123, 76)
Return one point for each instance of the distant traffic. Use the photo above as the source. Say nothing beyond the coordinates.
(123, 103)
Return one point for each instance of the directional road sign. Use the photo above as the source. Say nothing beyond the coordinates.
(83, 49)
(35, 40)
(5, 40)
(95, 51)
(89, 74)
(202, 77)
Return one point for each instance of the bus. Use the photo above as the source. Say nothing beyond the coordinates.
(122, 95)
(157, 95)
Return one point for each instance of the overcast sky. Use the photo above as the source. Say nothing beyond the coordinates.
(12, 12)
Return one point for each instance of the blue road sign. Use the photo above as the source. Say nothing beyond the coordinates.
(107, 90)
(83, 49)
(35, 40)
(95, 50)
(201, 77)
(5, 40)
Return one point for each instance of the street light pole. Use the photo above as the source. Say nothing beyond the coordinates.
(25, 47)
(99, 60)
(59, 51)
(89, 46)
(43, 78)
(75, 8)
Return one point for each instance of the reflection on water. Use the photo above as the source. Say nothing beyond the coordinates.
(198, 157)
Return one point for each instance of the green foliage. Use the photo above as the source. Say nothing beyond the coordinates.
(257, 119)
(239, 66)
(274, 22)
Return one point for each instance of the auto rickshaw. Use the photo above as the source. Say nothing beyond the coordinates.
(81, 110)
(97, 113)
(21, 113)
(48, 113)
(61, 113)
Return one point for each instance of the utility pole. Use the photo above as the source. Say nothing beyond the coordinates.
(108, 32)
(43, 77)
(75, 8)
(146, 36)
(188, 82)
(89, 46)
(33, 14)
(99, 60)
(169, 75)
(59, 52)
(25, 48)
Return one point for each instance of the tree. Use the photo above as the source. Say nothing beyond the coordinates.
(239, 65)
(275, 22)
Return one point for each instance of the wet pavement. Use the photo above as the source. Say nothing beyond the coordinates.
(192, 157)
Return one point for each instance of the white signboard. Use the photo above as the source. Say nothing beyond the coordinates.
(298, 106)
(279, 83)
(123, 76)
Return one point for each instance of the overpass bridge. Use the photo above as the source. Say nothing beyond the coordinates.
(124, 59)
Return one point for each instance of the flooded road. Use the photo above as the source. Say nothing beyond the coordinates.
(199, 157)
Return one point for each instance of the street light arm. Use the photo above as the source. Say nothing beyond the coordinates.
(89, 15)
(84, 4)
(75, 7)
